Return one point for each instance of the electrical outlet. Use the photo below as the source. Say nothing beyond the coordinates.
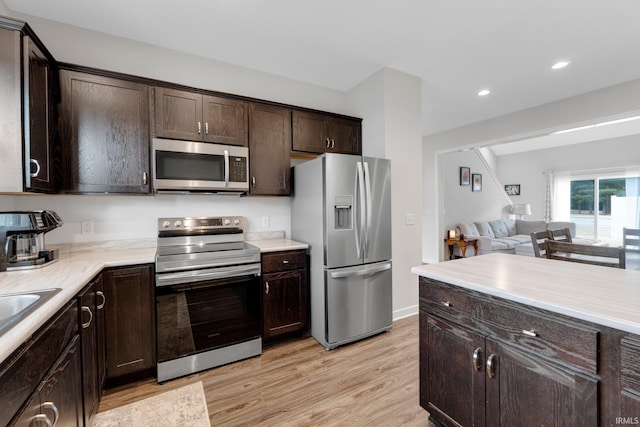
(87, 227)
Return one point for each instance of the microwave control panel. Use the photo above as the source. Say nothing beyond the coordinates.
(238, 169)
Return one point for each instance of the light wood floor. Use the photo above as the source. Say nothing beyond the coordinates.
(373, 382)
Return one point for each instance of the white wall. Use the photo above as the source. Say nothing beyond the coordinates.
(578, 110)
(391, 101)
(527, 168)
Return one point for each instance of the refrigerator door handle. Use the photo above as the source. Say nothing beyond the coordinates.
(358, 273)
(367, 186)
(361, 207)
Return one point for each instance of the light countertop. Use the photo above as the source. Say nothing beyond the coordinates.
(74, 270)
(602, 295)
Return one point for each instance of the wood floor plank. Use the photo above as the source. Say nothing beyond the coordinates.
(373, 382)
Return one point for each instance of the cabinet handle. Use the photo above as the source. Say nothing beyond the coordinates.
(199, 128)
(104, 300)
(87, 310)
(145, 178)
(530, 333)
(40, 418)
(477, 363)
(253, 181)
(447, 304)
(206, 128)
(35, 163)
(266, 288)
(54, 408)
(491, 366)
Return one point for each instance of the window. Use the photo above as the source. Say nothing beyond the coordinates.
(602, 204)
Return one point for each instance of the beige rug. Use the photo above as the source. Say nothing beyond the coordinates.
(185, 406)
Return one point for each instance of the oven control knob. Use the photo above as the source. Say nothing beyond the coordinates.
(166, 224)
(177, 223)
(236, 221)
(227, 221)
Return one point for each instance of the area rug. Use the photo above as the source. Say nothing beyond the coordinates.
(185, 406)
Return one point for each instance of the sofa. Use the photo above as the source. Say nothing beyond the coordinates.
(508, 235)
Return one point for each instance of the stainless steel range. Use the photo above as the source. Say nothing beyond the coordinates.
(207, 295)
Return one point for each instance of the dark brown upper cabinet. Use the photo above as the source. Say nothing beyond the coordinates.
(105, 133)
(319, 133)
(195, 117)
(269, 150)
(27, 113)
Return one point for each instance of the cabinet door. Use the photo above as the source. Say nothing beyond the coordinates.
(225, 121)
(105, 134)
(285, 302)
(345, 136)
(453, 385)
(89, 346)
(130, 322)
(178, 114)
(270, 150)
(37, 114)
(310, 132)
(63, 390)
(523, 389)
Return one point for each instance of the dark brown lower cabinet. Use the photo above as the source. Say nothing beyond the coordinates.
(58, 400)
(479, 366)
(285, 293)
(88, 311)
(130, 324)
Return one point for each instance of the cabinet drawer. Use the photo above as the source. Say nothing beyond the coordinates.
(281, 261)
(540, 331)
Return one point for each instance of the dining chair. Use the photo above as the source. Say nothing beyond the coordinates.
(537, 241)
(587, 254)
(561, 234)
(631, 239)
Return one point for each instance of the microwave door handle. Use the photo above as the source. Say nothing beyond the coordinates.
(226, 168)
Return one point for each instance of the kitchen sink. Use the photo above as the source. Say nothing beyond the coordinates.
(15, 307)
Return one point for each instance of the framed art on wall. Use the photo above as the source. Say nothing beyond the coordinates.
(465, 175)
(477, 182)
(512, 189)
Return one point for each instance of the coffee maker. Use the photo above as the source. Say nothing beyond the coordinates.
(23, 234)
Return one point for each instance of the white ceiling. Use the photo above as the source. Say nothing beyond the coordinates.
(457, 47)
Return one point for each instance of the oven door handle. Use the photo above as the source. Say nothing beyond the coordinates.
(202, 275)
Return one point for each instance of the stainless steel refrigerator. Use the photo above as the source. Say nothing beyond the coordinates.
(341, 207)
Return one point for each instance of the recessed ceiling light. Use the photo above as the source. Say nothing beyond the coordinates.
(560, 64)
(484, 92)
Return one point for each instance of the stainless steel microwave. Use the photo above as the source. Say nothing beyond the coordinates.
(187, 166)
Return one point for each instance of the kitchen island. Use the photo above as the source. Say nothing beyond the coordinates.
(510, 340)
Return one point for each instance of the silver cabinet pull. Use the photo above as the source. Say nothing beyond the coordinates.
(87, 310)
(491, 366)
(40, 418)
(477, 363)
(530, 332)
(266, 288)
(145, 178)
(447, 304)
(35, 163)
(54, 408)
(104, 300)
(199, 128)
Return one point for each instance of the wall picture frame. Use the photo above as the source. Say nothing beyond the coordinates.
(465, 176)
(512, 189)
(476, 179)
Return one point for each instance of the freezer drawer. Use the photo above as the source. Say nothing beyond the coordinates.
(358, 302)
